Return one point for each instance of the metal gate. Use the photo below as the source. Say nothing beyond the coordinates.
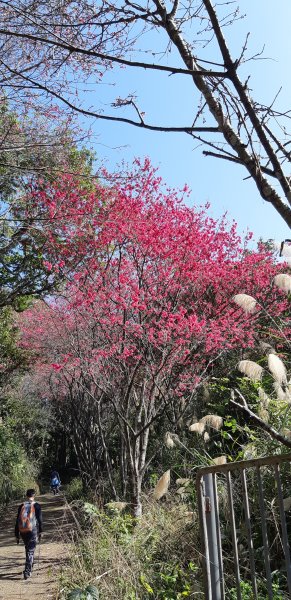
(232, 499)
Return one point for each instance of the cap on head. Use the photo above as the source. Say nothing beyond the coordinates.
(30, 493)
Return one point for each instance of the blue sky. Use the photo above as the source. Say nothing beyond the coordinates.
(170, 100)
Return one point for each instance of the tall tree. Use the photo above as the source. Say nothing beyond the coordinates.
(30, 153)
(48, 48)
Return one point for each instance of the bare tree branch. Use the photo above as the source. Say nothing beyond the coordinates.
(56, 46)
(259, 422)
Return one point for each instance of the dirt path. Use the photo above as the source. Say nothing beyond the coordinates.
(53, 551)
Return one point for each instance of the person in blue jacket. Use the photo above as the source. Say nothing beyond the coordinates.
(55, 481)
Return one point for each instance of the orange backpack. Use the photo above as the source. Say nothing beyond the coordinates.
(27, 518)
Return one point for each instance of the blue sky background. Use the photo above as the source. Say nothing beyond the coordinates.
(170, 100)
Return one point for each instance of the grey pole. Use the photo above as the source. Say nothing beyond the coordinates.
(212, 527)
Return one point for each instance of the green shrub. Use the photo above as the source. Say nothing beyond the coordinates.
(247, 593)
(172, 582)
(89, 593)
(17, 472)
(75, 489)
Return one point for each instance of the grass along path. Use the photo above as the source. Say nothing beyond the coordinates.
(49, 556)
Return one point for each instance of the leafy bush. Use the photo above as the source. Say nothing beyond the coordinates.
(89, 593)
(17, 473)
(74, 489)
(172, 582)
(247, 593)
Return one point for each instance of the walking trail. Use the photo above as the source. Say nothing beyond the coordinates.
(49, 556)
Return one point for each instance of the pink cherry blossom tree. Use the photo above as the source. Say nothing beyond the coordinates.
(146, 313)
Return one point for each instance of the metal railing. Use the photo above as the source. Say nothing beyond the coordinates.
(230, 530)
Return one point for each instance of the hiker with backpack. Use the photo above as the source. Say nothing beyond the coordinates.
(55, 482)
(29, 526)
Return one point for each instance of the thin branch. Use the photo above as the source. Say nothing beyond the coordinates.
(183, 129)
(260, 423)
(246, 101)
(236, 160)
(110, 58)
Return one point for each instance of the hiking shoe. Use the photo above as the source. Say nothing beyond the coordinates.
(26, 575)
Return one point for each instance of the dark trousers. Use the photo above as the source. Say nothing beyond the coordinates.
(29, 540)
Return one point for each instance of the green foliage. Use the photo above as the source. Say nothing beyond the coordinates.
(20, 413)
(16, 471)
(11, 357)
(89, 593)
(20, 439)
(91, 510)
(75, 489)
(247, 593)
(35, 154)
(80, 162)
(172, 582)
(146, 585)
(153, 479)
(36, 150)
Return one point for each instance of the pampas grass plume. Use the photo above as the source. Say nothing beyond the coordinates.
(283, 282)
(220, 460)
(287, 433)
(182, 491)
(213, 421)
(183, 481)
(119, 506)
(263, 414)
(251, 369)
(246, 302)
(169, 442)
(176, 440)
(162, 485)
(277, 369)
(197, 428)
(263, 397)
(263, 406)
(279, 391)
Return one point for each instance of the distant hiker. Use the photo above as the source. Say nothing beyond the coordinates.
(55, 482)
(29, 526)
